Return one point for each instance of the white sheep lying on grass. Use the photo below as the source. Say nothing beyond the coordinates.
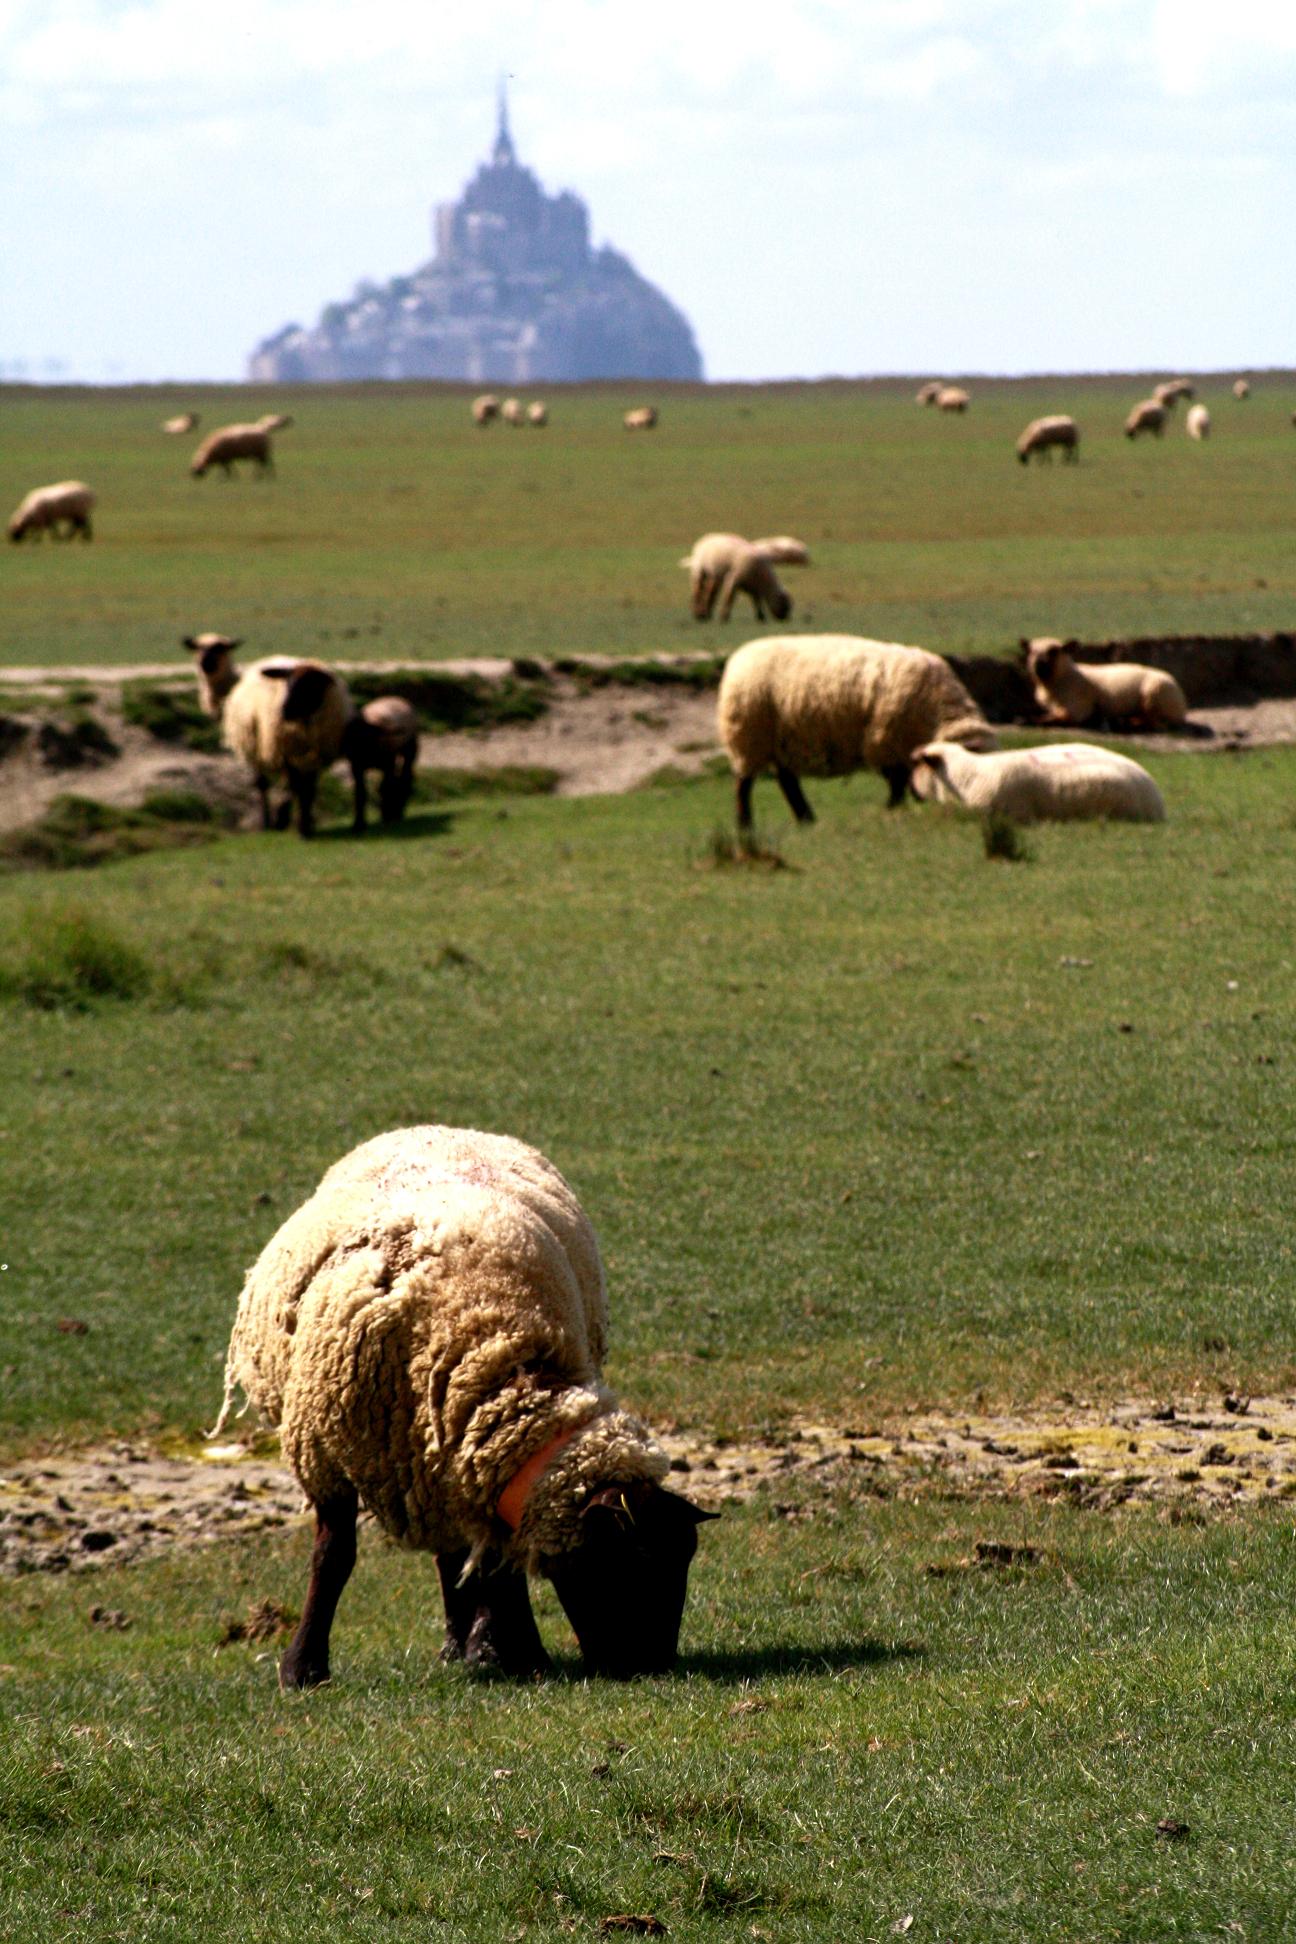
(1058, 782)
(427, 1333)
(47, 508)
(283, 717)
(1125, 694)
(827, 705)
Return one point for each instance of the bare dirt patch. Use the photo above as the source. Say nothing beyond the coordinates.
(112, 1506)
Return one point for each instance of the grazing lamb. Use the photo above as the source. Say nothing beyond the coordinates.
(382, 736)
(1173, 389)
(1241, 389)
(47, 508)
(427, 1333)
(1043, 434)
(485, 409)
(826, 705)
(642, 419)
(952, 398)
(283, 717)
(1127, 694)
(1149, 415)
(1060, 781)
(723, 564)
(511, 412)
(928, 394)
(537, 412)
(1197, 423)
(231, 443)
(183, 422)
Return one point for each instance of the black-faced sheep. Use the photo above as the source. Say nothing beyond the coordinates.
(1060, 782)
(383, 736)
(1043, 435)
(427, 1333)
(827, 705)
(1122, 694)
(47, 508)
(1149, 415)
(721, 566)
(284, 718)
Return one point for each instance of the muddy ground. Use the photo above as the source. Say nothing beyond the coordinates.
(598, 741)
(1194, 1457)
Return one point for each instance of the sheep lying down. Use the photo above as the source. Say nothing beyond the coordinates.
(427, 1333)
(1058, 782)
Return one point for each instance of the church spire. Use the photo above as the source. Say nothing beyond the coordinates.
(503, 155)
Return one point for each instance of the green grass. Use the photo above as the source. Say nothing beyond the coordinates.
(395, 530)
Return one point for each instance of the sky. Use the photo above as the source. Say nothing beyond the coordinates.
(822, 186)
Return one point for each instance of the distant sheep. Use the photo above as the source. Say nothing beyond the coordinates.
(1241, 389)
(48, 508)
(952, 398)
(183, 422)
(537, 412)
(225, 447)
(383, 736)
(1061, 781)
(827, 705)
(485, 410)
(1042, 435)
(642, 419)
(1149, 415)
(721, 566)
(1171, 391)
(1197, 424)
(928, 394)
(511, 412)
(284, 718)
(1124, 693)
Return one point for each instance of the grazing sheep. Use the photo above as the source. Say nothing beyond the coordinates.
(826, 705)
(485, 409)
(928, 394)
(427, 1333)
(1124, 693)
(724, 564)
(784, 549)
(952, 398)
(1171, 391)
(511, 412)
(1149, 415)
(1060, 781)
(283, 717)
(231, 443)
(183, 422)
(1197, 423)
(47, 508)
(537, 412)
(383, 736)
(1043, 434)
(642, 419)
(1241, 389)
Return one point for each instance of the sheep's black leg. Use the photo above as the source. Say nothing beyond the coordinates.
(263, 791)
(306, 1663)
(303, 784)
(361, 796)
(896, 776)
(489, 1622)
(394, 790)
(791, 788)
(744, 796)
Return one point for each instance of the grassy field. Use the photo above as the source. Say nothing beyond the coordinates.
(895, 1125)
(394, 529)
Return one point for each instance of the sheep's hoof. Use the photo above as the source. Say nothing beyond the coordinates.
(295, 1673)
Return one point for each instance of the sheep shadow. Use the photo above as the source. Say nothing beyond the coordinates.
(741, 1667)
(411, 829)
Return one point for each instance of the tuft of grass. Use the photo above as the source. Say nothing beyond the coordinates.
(1003, 838)
(69, 744)
(696, 673)
(71, 960)
(170, 714)
(725, 848)
(506, 779)
(77, 833)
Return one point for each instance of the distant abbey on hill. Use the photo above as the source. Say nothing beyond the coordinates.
(514, 294)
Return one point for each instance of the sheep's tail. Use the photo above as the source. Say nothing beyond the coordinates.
(231, 1385)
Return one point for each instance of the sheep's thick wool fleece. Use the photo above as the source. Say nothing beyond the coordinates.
(430, 1319)
(252, 723)
(824, 705)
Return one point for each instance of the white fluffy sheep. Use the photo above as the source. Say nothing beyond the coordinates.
(1197, 423)
(642, 419)
(383, 736)
(427, 1333)
(285, 718)
(512, 413)
(928, 394)
(826, 705)
(47, 508)
(952, 398)
(1128, 694)
(485, 409)
(1060, 781)
(537, 412)
(1149, 415)
(723, 565)
(181, 423)
(1172, 390)
(1042, 435)
(1241, 389)
(230, 443)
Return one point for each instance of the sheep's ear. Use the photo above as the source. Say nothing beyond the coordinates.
(192, 643)
(283, 673)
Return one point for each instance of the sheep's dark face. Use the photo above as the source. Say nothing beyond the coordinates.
(780, 605)
(1043, 661)
(623, 1586)
(306, 690)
